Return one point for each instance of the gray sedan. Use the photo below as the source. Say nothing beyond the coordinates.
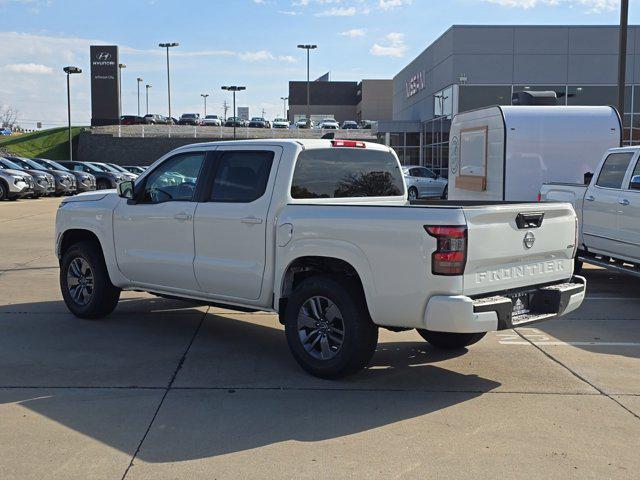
(423, 182)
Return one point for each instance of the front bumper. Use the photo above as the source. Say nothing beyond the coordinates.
(501, 311)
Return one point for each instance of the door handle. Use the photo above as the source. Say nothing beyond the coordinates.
(590, 198)
(251, 220)
(624, 202)
(182, 216)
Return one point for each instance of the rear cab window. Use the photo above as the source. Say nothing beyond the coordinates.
(346, 173)
(614, 169)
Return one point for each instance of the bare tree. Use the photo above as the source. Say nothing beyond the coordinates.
(8, 117)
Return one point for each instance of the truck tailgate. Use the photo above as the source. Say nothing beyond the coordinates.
(507, 249)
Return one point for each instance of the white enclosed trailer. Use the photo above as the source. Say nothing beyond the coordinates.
(508, 152)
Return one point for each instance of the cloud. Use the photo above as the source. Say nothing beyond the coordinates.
(354, 32)
(391, 4)
(338, 12)
(393, 46)
(591, 6)
(291, 13)
(262, 55)
(30, 68)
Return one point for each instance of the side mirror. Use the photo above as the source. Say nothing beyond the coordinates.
(125, 189)
(635, 183)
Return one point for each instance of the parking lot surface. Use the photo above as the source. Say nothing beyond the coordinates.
(165, 389)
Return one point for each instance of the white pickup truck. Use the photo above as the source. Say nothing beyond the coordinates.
(320, 232)
(608, 211)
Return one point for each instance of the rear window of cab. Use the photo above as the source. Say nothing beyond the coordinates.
(346, 173)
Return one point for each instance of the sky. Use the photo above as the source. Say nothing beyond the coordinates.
(236, 42)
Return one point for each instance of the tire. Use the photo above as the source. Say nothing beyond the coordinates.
(413, 193)
(577, 265)
(100, 296)
(327, 353)
(4, 190)
(450, 341)
(103, 185)
(445, 192)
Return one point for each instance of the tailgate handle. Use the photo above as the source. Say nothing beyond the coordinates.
(529, 220)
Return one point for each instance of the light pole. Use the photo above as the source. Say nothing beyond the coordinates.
(146, 88)
(234, 89)
(121, 66)
(308, 48)
(168, 46)
(205, 95)
(140, 80)
(284, 101)
(622, 59)
(70, 71)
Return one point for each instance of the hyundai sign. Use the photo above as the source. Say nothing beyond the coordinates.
(105, 104)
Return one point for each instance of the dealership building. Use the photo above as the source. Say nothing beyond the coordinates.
(470, 67)
(365, 100)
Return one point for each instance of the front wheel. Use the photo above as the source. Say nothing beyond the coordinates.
(445, 193)
(328, 327)
(450, 341)
(413, 193)
(85, 284)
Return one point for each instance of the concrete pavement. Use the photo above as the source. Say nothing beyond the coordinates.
(167, 389)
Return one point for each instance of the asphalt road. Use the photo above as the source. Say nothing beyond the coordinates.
(165, 390)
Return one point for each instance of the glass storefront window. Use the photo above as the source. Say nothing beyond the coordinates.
(443, 102)
(598, 95)
(412, 156)
(412, 139)
(396, 139)
(472, 97)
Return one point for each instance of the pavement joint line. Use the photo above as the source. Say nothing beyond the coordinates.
(166, 392)
(569, 344)
(20, 265)
(577, 375)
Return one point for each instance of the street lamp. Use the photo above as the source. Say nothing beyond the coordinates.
(147, 87)
(120, 67)
(168, 46)
(70, 71)
(308, 48)
(234, 89)
(205, 95)
(622, 54)
(140, 80)
(284, 100)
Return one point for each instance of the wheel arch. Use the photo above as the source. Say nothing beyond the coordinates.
(310, 263)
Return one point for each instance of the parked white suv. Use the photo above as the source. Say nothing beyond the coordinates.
(320, 232)
(212, 121)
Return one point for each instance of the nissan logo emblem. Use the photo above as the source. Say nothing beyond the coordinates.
(529, 240)
(103, 56)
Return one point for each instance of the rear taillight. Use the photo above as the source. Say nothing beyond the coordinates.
(539, 196)
(450, 256)
(348, 143)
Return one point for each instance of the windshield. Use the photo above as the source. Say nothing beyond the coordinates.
(103, 167)
(189, 115)
(211, 116)
(9, 164)
(90, 166)
(118, 168)
(280, 120)
(29, 164)
(57, 166)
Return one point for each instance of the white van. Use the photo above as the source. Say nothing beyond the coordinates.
(508, 152)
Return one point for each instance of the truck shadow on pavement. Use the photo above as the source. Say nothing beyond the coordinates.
(236, 389)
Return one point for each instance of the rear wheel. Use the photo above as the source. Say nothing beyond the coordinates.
(328, 327)
(85, 284)
(413, 193)
(450, 341)
(445, 192)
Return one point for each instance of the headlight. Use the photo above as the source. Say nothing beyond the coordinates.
(119, 178)
(17, 179)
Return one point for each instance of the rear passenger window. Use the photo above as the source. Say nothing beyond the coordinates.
(346, 172)
(241, 177)
(613, 170)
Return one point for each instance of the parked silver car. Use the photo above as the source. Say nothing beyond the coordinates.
(15, 184)
(423, 182)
